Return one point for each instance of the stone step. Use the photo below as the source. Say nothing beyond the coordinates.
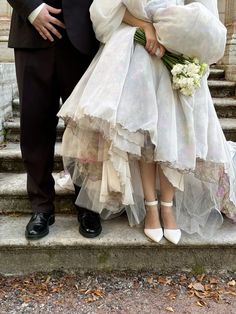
(7, 54)
(16, 107)
(11, 161)
(225, 107)
(14, 198)
(229, 127)
(12, 129)
(220, 88)
(216, 74)
(119, 247)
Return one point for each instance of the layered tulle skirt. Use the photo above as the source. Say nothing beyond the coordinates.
(123, 110)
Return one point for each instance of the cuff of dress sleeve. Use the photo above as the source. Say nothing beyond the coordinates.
(35, 13)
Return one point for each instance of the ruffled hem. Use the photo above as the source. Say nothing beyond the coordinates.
(103, 160)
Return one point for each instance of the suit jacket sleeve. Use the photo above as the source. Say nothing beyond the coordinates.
(24, 7)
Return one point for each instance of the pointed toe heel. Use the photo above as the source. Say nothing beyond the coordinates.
(154, 234)
(173, 235)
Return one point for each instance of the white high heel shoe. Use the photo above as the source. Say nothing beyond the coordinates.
(154, 234)
(173, 235)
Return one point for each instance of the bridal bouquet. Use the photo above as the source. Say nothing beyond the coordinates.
(186, 72)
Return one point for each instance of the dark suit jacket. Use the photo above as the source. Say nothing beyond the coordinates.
(75, 16)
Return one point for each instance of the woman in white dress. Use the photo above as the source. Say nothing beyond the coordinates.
(131, 139)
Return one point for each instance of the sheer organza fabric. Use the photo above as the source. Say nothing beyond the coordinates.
(187, 29)
(124, 109)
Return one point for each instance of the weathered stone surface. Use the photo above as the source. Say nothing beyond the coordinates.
(14, 198)
(225, 107)
(230, 72)
(118, 247)
(220, 88)
(6, 54)
(7, 92)
(12, 128)
(216, 74)
(11, 160)
(7, 73)
(229, 127)
(229, 59)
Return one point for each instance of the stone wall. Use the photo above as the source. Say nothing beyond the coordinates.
(221, 8)
(6, 54)
(8, 89)
(228, 62)
(7, 68)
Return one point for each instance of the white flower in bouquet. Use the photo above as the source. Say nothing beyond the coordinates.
(187, 76)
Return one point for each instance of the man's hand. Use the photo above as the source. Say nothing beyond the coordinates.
(44, 22)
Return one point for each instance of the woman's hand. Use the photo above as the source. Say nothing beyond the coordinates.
(152, 44)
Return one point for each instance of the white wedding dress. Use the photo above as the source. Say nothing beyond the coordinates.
(124, 109)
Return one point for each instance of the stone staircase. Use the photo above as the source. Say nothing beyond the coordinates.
(119, 246)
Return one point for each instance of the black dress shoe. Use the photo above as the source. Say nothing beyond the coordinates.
(38, 226)
(90, 224)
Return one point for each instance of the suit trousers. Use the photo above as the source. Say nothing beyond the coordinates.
(44, 76)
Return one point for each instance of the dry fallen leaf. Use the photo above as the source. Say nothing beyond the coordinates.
(191, 293)
(89, 300)
(56, 290)
(232, 283)
(168, 282)
(200, 295)
(26, 299)
(201, 303)
(98, 293)
(183, 278)
(48, 279)
(150, 280)
(213, 281)
(169, 309)
(207, 287)
(172, 295)
(200, 277)
(58, 302)
(215, 296)
(83, 290)
(162, 280)
(190, 285)
(230, 293)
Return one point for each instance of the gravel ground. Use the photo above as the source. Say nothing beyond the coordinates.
(119, 292)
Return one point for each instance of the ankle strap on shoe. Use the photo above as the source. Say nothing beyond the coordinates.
(167, 204)
(151, 203)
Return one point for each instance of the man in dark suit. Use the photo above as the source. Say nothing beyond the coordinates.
(54, 43)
